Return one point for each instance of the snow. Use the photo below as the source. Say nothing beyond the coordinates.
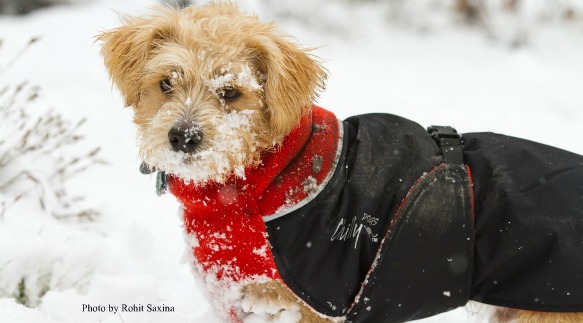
(244, 78)
(15, 313)
(424, 68)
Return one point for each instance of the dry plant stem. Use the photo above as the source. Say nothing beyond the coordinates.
(19, 54)
(38, 152)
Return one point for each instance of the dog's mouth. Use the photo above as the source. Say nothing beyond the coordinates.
(189, 159)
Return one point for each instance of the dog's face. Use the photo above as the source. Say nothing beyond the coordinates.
(211, 88)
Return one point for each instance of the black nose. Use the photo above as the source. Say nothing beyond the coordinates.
(185, 137)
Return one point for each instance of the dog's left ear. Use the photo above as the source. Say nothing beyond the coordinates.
(125, 51)
(294, 79)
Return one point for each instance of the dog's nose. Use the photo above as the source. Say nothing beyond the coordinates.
(185, 137)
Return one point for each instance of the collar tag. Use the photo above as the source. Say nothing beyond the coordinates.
(161, 184)
(145, 169)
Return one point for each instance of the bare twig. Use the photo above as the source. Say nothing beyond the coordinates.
(19, 54)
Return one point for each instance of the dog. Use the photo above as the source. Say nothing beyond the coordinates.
(294, 216)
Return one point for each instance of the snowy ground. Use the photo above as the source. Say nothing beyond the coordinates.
(432, 73)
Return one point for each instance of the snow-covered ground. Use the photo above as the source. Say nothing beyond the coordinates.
(423, 68)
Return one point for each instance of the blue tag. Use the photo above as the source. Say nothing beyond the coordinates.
(161, 184)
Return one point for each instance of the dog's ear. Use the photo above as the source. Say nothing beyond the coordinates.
(125, 51)
(293, 79)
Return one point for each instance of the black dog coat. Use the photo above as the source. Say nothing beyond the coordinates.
(397, 234)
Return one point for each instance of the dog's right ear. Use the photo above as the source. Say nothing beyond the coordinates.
(125, 51)
(294, 78)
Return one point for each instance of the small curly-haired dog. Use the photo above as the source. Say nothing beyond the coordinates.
(224, 106)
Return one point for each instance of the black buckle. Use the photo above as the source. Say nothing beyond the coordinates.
(442, 131)
(450, 143)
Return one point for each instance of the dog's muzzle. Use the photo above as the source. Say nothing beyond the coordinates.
(185, 137)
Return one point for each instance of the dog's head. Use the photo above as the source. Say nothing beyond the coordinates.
(211, 87)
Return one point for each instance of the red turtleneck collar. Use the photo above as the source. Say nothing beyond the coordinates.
(228, 219)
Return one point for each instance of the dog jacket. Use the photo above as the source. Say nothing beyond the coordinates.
(364, 220)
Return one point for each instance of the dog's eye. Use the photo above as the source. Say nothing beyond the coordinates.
(230, 94)
(166, 86)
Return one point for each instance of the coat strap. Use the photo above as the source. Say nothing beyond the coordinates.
(450, 143)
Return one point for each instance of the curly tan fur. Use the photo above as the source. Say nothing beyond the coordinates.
(545, 317)
(508, 315)
(293, 76)
(275, 293)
